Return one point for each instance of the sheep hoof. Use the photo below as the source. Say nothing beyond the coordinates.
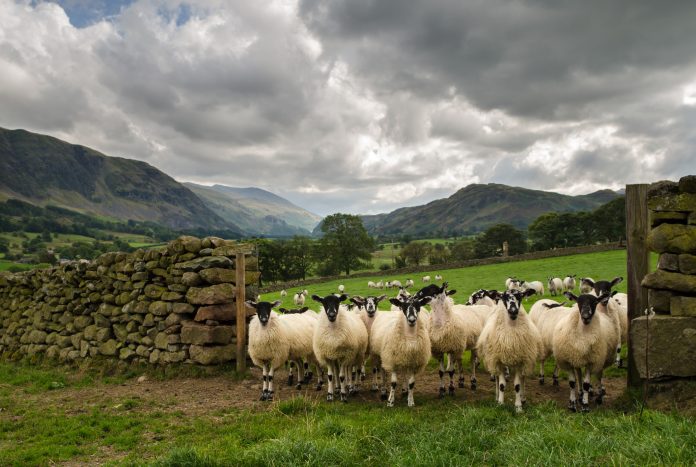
(383, 396)
(451, 390)
(374, 388)
(362, 376)
(572, 406)
(329, 398)
(492, 378)
(404, 391)
(441, 393)
(619, 363)
(344, 397)
(473, 384)
(291, 380)
(555, 382)
(269, 397)
(599, 400)
(461, 384)
(263, 396)
(319, 386)
(518, 409)
(585, 408)
(541, 381)
(390, 404)
(298, 386)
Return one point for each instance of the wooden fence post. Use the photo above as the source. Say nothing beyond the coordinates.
(240, 266)
(637, 264)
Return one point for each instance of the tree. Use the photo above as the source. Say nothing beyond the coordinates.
(4, 246)
(300, 257)
(439, 254)
(46, 236)
(462, 250)
(416, 252)
(490, 243)
(345, 244)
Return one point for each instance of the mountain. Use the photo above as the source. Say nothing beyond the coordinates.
(43, 170)
(476, 207)
(257, 211)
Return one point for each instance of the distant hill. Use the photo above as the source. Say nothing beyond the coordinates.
(476, 207)
(257, 211)
(43, 170)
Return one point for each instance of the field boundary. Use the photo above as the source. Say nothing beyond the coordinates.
(575, 250)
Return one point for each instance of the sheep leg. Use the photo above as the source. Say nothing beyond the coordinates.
(555, 375)
(524, 390)
(307, 373)
(441, 392)
(352, 382)
(320, 376)
(392, 392)
(541, 371)
(330, 386)
(518, 392)
(619, 361)
(300, 374)
(271, 370)
(375, 379)
(450, 372)
(291, 373)
(363, 374)
(383, 378)
(602, 390)
(586, 385)
(411, 385)
(460, 370)
(474, 364)
(501, 387)
(572, 405)
(343, 370)
(264, 391)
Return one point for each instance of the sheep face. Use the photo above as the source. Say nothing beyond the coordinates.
(512, 299)
(411, 308)
(331, 304)
(476, 296)
(263, 309)
(371, 304)
(587, 304)
(602, 287)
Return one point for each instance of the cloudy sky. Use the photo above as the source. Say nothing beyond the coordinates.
(363, 106)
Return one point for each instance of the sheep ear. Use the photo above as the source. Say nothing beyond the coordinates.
(283, 310)
(529, 292)
(357, 301)
(380, 298)
(451, 292)
(276, 303)
(396, 302)
(343, 297)
(571, 296)
(587, 281)
(604, 298)
(250, 303)
(304, 308)
(424, 301)
(616, 280)
(317, 298)
(614, 292)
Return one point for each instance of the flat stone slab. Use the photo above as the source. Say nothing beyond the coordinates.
(671, 346)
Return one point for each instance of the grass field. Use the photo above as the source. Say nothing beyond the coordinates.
(55, 415)
(603, 265)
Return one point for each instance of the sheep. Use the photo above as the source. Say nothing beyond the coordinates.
(367, 310)
(604, 287)
(283, 293)
(481, 297)
(403, 294)
(339, 342)
(396, 284)
(620, 300)
(275, 339)
(580, 344)
(545, 314)
(555, 286)
(510, 340)
(512, 283)
(601, 287)
(438, 277)
(408, 283)
(299, 298)
(341, 288)
(569, 282)
(537, 286)
(453, 330)
(293, 311)
(371, 285)
(425, 278)
(379, 285)
(585, 286)
(388, 285)
(402, 344)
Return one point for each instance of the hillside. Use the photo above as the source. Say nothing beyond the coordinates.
(256, 211)
(476, 207)
(43, 170)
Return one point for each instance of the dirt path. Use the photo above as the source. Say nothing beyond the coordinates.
(201, 396)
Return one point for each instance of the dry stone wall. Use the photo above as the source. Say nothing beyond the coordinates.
(670, 336)
(160, 306)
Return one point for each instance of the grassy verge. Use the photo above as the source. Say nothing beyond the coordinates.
(41, 423)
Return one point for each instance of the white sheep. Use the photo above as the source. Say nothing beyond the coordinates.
(379, 285)
(510, 340)
(580, 345)
(396, 284)
(409, 283)
(452, 332)
(341, 288)
(371, 285)
(367, 310)
(275, 339)
(426, 278)
(283, 293)
(620, 301)
(438, 277)
(569, 283)
(546, 314)
(402, 344)
(481, 297)
(299, 298)
(340, 342)
(536, 286)
(555, 285)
